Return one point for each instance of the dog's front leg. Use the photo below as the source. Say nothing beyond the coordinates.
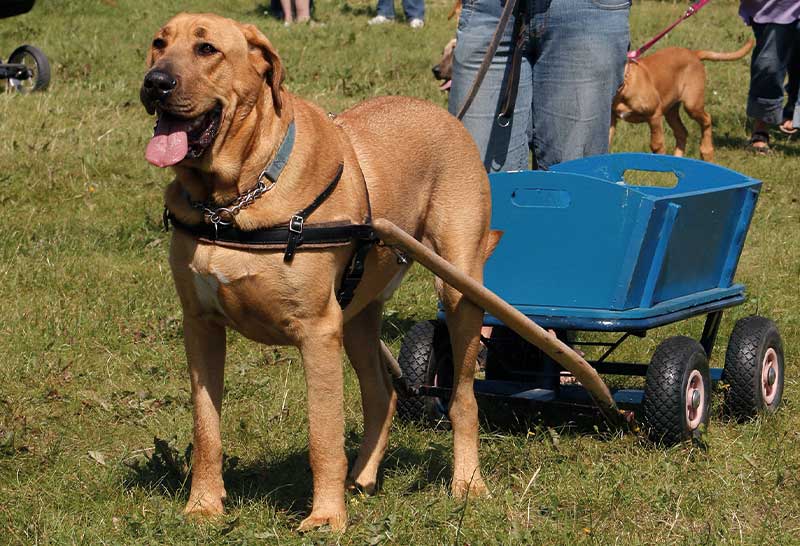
(205, 351)
(321, 351)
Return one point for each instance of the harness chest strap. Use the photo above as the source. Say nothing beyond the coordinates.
(292, 235)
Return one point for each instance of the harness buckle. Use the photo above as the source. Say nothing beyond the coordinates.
(296, 224)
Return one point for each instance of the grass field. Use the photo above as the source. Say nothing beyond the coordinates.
(94, 396)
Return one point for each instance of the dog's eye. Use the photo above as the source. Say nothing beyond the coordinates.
(158, 43)
(206, 49)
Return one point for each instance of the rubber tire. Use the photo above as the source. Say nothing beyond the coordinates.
(665, 390)
(424, 354)
(750, 339)
(42, 67)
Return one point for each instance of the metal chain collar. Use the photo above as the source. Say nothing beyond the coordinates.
(224, 216)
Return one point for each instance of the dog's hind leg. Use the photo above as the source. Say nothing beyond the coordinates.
(612, 130)
(378, 399)
(673, 117)
(205, 351)
(464, 320)
(321, 349)
(697, 112)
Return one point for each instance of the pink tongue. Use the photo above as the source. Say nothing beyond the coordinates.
(170, 143)
(446, 85)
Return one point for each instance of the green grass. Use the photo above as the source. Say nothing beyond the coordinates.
(92, 359)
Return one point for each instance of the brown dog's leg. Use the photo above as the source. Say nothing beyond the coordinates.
(464, 321)
(612, 130)
(703, 119)
(657, 135)
(322, 351)
(205, 351)
(378, 399)
(673, 117)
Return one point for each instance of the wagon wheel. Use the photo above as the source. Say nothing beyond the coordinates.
(677, 391)
(754, 368)
(38, 68)
(426, 358)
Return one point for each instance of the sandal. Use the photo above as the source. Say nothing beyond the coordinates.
(787, 128)
(759, 137)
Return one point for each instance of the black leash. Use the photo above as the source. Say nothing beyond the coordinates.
(487, 59)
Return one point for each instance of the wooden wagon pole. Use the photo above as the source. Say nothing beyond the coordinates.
(481, 296)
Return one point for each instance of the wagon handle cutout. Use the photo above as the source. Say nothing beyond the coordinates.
(484, 298)
(647, 178)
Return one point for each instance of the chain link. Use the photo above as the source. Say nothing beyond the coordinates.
(224, 216)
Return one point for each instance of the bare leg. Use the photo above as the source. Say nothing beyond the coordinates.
(322, 351)
(205, 350)
(303, 10)
(678, 129)
(378, 399)
(286, 6)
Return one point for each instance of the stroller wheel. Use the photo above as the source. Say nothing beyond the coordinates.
(36, 75)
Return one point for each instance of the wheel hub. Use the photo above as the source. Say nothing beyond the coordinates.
(695, 396)
(769, 376)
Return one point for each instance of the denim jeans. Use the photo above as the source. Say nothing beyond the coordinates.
(413, 9)
(792, 109)
(774, 43)
(573, 63)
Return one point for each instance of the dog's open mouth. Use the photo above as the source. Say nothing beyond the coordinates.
(446, 85)
(175, 138)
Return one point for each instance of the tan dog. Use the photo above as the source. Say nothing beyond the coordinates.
(217, 87)
(443, 70)
(655, 86)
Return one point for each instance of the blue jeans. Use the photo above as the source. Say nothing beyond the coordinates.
(413, 9)
(573, 63)
(774, 43)
(792, 109)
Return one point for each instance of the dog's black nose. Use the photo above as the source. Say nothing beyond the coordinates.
(158, 84)
(437, 73)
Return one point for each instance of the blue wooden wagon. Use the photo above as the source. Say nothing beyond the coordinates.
(585, 251)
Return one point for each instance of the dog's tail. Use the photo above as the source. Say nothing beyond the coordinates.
(492, 242)
(732, 56)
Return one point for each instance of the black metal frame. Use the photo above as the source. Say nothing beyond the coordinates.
(14, 70)
(542, 384)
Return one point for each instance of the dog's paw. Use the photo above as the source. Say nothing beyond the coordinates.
(336, 520)
(204, 506)
(474, 488)
(354, 486)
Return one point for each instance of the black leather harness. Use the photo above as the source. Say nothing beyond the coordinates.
(295, 233)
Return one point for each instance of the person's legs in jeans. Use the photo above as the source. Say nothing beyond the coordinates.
(414, 9)
(791, 112)
(767, 72)
(580, 49)
(502, 148)
(386, 8)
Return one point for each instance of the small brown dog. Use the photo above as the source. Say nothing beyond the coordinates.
(443, 70)
(223, 114)
(655, 86)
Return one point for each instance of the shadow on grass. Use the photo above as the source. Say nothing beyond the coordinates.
(284, 482)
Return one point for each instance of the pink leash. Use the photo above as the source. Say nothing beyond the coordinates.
(694, 8)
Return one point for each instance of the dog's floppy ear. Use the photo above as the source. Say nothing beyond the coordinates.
(266, 60)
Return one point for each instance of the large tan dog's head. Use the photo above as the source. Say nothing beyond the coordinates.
(206, 75)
